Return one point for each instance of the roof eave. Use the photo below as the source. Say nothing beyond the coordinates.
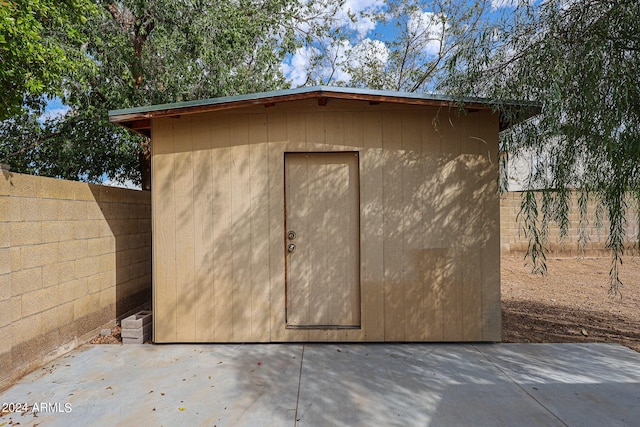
(139, 119)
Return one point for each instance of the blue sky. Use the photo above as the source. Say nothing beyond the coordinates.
(367, 37)
(55, 107)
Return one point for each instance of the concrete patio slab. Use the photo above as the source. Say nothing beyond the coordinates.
(410, 385)
(581, 384)
(333, 384)
(155, 385)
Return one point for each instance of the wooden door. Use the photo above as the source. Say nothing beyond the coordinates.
(322, 240)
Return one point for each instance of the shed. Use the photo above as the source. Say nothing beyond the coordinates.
(324, 214)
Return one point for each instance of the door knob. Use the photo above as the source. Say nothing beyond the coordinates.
(291, 248)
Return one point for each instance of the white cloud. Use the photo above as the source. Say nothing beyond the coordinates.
(297, 68)
(427, 29)
(363, 24)
(497, 4)
(369, 52)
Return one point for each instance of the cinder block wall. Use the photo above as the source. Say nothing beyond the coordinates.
(514, 243)
(73, 258)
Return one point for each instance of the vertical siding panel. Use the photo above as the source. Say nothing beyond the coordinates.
(471, 248)
(334, 127)
(296, 128)
(490, 255)
(412, 268)
(164, 265)
(277, 136)
(392, 229)
(186, 292)
(203, 222)
(476, 188)
(433, 259)
(222, 249)
(240, 226)
(353, 129)
(315, 131)
(450, 206)
(372, 281)
(260, 302)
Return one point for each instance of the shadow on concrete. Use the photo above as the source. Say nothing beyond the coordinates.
(337, 384)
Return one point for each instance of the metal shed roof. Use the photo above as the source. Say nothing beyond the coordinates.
(139, 118)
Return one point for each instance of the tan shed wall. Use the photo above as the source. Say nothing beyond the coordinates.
(429, 211)
(73, 258)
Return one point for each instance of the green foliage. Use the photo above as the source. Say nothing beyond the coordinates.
(40, 41)
(581, 61)
(148, 52)
(73, 147)
(164, 51)
(534, 231)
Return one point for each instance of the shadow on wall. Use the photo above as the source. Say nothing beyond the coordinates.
(212, 226)
(439, 231)
(429, 223)
(127, 215)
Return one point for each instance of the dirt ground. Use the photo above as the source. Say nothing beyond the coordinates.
(571, 303)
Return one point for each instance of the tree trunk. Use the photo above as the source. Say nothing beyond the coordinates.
(144, 158)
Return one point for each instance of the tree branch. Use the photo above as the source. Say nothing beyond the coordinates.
(30, 147)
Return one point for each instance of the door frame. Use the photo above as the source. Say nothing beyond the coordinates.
(285, 240)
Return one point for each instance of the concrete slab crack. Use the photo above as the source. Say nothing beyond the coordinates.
(506, 374)
(295, 418)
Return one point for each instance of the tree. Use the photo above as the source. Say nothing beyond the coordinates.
(408, 52)
(151, 52)
(580, 60)
(40, 40)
